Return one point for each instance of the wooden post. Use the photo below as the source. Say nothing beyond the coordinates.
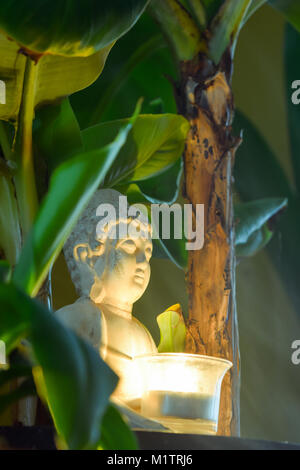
(204, 97)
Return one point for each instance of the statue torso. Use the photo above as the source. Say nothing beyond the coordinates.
(117, 338)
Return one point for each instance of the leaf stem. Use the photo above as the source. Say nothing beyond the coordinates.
(25, 178)
(10, 234)
(199, 12)
(179, 27)
(4, 142)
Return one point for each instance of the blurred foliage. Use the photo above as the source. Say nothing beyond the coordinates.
(56, 76)
(55, 350)
(73, 28)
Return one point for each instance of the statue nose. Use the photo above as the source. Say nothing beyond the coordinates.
(141, 257)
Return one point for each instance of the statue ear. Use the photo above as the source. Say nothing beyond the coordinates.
(82, 253)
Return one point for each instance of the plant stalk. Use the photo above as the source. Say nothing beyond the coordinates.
(179, 27)
(205, 98)
(25, 178)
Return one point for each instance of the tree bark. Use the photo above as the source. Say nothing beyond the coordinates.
(205, 98)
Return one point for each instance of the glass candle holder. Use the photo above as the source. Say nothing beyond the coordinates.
(182, 391)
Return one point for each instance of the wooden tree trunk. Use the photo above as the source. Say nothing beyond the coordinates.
(204, 97)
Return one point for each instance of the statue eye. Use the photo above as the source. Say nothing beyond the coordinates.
(128, 246)
(148, 252)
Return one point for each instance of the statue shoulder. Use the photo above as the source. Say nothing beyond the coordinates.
(85, 318)
(150, 347)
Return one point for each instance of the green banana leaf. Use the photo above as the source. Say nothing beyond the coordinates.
(72, 185)
(57, 76)
(56, 134)
(164, 187)
(115, 434)
(153, 145)
(140, 64)
(172, 330)
(226, 26)
(255, 243)
(252, 224)
(69, 373)
(73, 28)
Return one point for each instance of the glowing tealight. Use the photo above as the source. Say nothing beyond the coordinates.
(182, 391)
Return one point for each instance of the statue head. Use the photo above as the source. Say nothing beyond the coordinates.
(108, 252)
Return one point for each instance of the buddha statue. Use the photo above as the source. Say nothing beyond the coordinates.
(110, 271)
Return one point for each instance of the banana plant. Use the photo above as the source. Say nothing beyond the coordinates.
(56, 50)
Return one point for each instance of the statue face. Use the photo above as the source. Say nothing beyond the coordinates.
(126, 274)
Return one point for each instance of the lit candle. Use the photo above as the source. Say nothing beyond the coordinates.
(182, 391)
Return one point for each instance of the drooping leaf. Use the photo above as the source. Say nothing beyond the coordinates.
(226, 26)
(255, 243)
(164, 187)
(72, 185)
(153, 146)
(69, 373)
(172, 330)
(290, 9)
(251, 228)
(115, 434)
(73, 28)
(56, 133)
(292, 70)
(251, 216)
(57, 76)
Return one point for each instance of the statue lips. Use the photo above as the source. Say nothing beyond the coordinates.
(139, 276)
